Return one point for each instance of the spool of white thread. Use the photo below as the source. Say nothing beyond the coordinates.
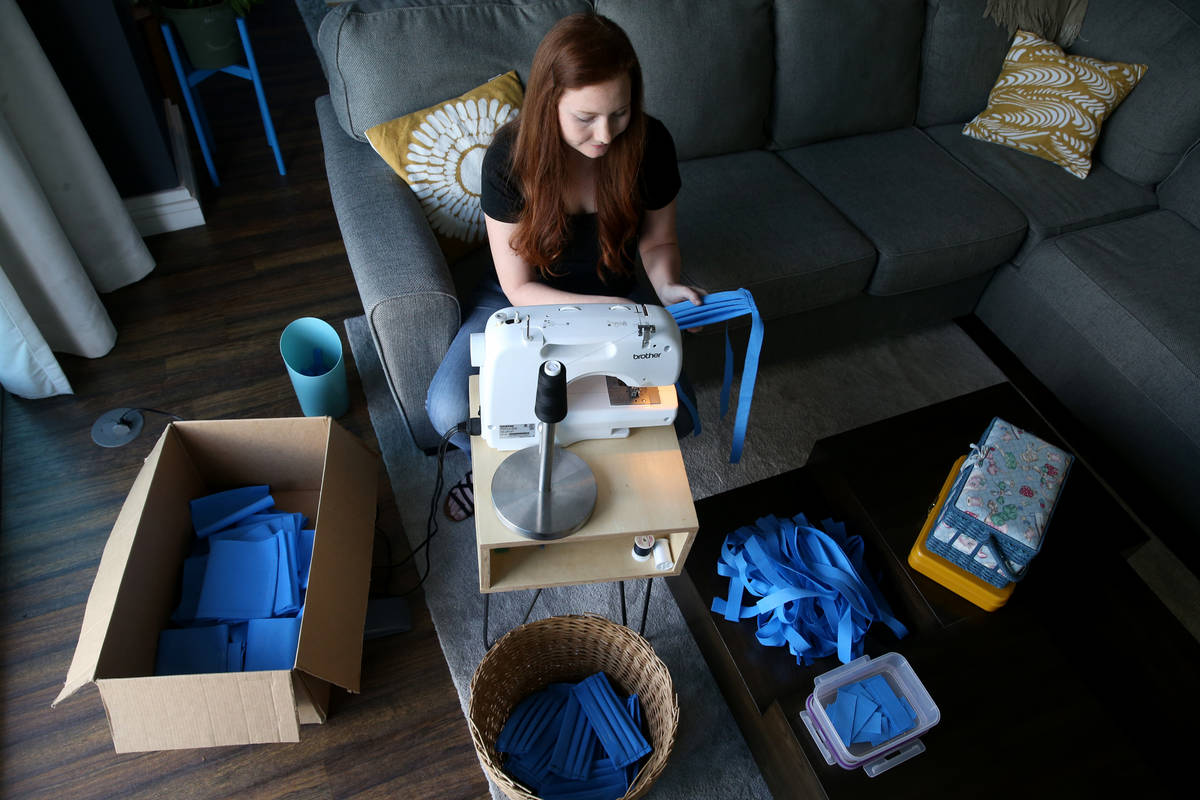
(662, 555)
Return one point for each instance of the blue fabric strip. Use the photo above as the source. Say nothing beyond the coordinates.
(690, 405)
(722, 307)
(576, 741)
(220, 510)
(815, 595)
(529, 719)
(634, 705)
(610, 720)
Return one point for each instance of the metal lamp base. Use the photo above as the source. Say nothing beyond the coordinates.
(553, 514)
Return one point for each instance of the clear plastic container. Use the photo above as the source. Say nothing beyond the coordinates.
(874, 759)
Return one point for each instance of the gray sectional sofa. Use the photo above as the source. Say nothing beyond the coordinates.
(824, 169)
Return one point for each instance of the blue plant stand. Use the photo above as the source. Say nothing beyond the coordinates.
(190, 77)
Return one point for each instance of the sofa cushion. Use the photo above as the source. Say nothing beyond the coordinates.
(1181, 191)
(1130, 288)
(1145, 138)
(844, 68)
(931, 219)
(1053, 201)
(740, 217)
(1051, 105)
(386, 59)
(960, 59)
(707, 68)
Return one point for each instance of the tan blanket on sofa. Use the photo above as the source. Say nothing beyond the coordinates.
(1056, 20)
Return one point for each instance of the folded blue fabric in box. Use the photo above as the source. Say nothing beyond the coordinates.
(271, 643)
(304, 556)
(213, 512)
(189, 591)
(996, 515)
(249, 569)
(236, 661)
(240, 580)
(192, 651)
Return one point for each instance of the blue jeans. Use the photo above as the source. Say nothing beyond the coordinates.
(447, 400)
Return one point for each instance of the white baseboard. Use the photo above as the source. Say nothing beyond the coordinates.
(171, 209)
(160, 212)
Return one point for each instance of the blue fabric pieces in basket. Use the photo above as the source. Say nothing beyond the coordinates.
(531, 718)
(610, 719)
(551, 746)
(192, 651)
(722, 307)
(634, 705)
(815, 593)
(572, 757)
(870, 711)
(213, 512)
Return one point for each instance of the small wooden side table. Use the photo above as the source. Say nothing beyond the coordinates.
(642, 489)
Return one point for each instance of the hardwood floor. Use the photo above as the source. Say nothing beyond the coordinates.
(199, 338)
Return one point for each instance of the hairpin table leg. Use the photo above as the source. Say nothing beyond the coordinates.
(487, 602)
(645, 606)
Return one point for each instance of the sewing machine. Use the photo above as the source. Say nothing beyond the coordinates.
(621, 362)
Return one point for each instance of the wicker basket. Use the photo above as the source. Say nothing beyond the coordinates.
(568, 649)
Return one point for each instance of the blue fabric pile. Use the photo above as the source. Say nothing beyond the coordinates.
(575, 741)
(242, 593)
(870, 711)
(816, 595)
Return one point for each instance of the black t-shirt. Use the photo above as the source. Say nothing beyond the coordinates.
(658, 183)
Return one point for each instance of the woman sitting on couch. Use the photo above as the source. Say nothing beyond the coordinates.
(574, 189)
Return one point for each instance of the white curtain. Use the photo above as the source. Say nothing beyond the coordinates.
(65, 234)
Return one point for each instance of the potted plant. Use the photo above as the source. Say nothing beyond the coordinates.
(207, 29)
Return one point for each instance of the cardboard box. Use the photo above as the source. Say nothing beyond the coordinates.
(313, 466)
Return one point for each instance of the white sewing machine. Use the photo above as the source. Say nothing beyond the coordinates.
(622, 362)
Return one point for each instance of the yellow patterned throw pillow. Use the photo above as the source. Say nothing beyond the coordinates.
(1051, 105)
(439, 151)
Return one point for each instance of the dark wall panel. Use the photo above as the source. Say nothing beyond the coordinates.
(99, 57)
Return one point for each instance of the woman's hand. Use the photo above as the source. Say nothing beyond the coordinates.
(672, 293)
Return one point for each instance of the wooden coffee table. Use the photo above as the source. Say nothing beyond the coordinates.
(1083, 683)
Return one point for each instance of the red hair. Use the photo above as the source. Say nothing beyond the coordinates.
(580, 50)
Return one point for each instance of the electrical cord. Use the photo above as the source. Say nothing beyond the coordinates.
(153, 411)
(431, 524)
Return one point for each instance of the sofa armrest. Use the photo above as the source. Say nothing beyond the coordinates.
(1180, 192)
(408, 296)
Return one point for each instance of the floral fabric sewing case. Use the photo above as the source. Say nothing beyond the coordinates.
(1002, 500)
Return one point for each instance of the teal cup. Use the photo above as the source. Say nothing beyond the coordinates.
(312, 352)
